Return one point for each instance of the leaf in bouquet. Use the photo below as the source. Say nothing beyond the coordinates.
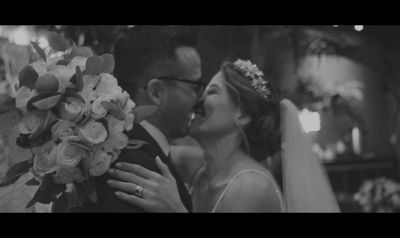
(108, 63)
(94, 65)
(43, 101)
(39, 50)
(89, 188)
(47, 83)
(81, 51)
(136, 144)
(143, 112)
(30, 105)
(15, 172)
(27, 77)
(6, 103)
(43, 133)
(32, 182)
(23, 141)
(82, 166)
(57, 42)
(114, 110)
(78, 79)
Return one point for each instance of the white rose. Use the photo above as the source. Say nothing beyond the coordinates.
(93, 132)
(68, 175)
(63, 129)
(100, 163)
(78, 61)
(115, 141)
(123, 99)
(125, 102)
(71, 111)
(87, 93)
(69, 155)
(22, 96)
(98, 111)
(108, 85)
(89, 81)
(114, 124)
(45, 158)
(63, 75)
(114, 155)
(121, 141)
(130, 105)
(30, 123)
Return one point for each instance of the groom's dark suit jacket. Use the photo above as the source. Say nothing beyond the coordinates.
(144, 156)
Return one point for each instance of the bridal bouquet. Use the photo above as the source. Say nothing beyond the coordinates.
(73, 115)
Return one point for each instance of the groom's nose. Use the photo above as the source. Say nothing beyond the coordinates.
(201, 97)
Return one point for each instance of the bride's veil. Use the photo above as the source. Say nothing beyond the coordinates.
(306, 186)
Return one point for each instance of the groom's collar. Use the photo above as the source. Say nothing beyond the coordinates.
(157, 135)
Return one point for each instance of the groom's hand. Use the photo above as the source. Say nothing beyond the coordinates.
(159, 194)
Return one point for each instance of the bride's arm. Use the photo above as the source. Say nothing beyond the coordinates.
(251, 192)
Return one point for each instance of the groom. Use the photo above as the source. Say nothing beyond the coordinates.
(158, 67)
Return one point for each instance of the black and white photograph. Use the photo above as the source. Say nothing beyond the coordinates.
(199, 118)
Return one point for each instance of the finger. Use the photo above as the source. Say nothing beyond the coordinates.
(164, 168)
(127, 177)
(138, 170)
(134, 200)
(124, 186)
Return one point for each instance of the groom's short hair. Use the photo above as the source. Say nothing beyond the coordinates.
(148, 51)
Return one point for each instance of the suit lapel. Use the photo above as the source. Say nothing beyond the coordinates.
(152, 147)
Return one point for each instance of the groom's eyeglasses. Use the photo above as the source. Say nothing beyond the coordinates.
(199, 86)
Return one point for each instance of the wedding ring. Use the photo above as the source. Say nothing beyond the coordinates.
(138, 191)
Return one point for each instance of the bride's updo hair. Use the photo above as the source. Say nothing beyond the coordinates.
(261, 136)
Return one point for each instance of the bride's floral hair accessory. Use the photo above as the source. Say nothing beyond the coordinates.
(250, 70)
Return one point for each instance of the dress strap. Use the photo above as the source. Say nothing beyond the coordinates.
(195, 178)
(267, 176)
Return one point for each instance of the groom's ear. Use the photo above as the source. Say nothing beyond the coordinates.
(154, 91)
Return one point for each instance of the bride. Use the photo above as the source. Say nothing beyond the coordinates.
(237, 124)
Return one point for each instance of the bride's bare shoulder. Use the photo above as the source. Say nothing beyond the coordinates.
(252, 191)
(252, 188)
